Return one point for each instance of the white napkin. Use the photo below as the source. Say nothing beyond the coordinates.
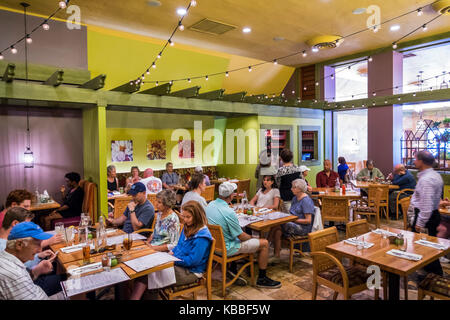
(73, 248)
(263, 210)
(381, 231)
(405, 255)
(161, 279)
(430, 244)
(353, 241)
(87, 268)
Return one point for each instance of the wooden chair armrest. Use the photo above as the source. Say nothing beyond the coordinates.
(403, 191)
(111, 205)
(143, 230)
(336, 262)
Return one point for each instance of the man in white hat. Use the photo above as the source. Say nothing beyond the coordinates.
(305, 170)
(219, 213)
(199, 169)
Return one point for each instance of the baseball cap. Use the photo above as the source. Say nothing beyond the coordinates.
(227, 188)
(304, 168)
(136, 188)
(198, 169)
(28, 229)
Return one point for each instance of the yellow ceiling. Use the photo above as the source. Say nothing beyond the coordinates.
(294, 20)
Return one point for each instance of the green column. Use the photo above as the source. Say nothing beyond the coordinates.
(94, 143)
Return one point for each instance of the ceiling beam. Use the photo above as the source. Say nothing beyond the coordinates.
(8, 75)
(186, 93)
(55, 79)
(254, 99)
(161, 90)
(95, 84)
(234, 97)
(212, 95)
(128, 87)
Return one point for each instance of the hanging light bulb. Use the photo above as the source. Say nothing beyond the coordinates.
(275, 61)
(62, 4)
(153, 65)
(156, 83)
(148, 71)
(28, 158)
(419, 12)
(206, 78)
(189, 80)
(304, 54)
(45, 26)
(193, 3)
(13, 50)
(1, 56)
(249, 68)
(159, 55)
(394, 45)
(29, 40)
(370, 59)
(180, 26)
(424, 27)
(227, 74)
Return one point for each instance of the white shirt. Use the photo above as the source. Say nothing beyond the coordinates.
(427, 195)
(194, 196)
(265, 200)
(152, 184)
(15, 281)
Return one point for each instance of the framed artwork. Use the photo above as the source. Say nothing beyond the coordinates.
(186, 149)
(121, 150)
(156, 149)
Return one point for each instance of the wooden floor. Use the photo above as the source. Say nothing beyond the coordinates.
(295, 286)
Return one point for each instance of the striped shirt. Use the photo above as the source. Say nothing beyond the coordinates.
(15, 281)
(427, 195)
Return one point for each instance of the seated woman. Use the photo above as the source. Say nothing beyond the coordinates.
(197, 185)
(268, 196)
(134, 178)
(193, 246)
(165, 236)
(303, 207)
(113, 182)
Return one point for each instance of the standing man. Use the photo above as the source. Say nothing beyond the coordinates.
(404, 180)
(425, 201)
(326, 178)
(139, 213)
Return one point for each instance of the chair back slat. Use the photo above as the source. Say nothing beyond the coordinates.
(318, 241)
(216, 232)
(404, 204)
(357, 228)
(335, 209)
(120, 205)
(372, 194)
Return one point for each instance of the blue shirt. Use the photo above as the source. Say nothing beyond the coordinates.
(144, 213)
(301, 208)
(405, 181)
(219, 213)
(170, 178)
(342, 171)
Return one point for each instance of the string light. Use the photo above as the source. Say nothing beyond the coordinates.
(13, 50)
(374, 93)
(315, 49)
(419, 12)
(45, 26)
(153, 65)
(193, 3)
(304, 54)
(370, 59)
(1, 56)
(394, 45)
(171, 82)
(227, 74)
(181, 27)
(189, 80)
(62, 4)
(414, 94)
(171, 43)
(424, 27)
(317, 83)
(206, 78)
(375, 29)
(29, 40)
(148, 71)
(249, 68)
(332, 76)
(156, 83)
(159, 55)
(275, 61)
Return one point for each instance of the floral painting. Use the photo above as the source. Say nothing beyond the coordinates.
(186, 149)
(121, 150)
(156, 149)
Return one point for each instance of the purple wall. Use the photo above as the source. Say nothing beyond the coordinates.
(58, 46)
(57, 144)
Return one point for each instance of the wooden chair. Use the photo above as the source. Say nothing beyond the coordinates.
(220, 256)
(280, 205)
(384, 198)
(407, 191)
(292, 241)
(356, 228)
(352, 166)
(335, 209)
(372, 209)
(120, 204)
(242, 185)
(208, 194)
(329, 271)
(434, 286)
(152, 198)
(147, 230)
(404, 204)
(203, 283)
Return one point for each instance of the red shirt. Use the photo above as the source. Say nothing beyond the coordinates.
(324, 181)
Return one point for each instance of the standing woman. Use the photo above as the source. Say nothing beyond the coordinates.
(113, 182)
(285, 175)
(342, 169)
(134, 178)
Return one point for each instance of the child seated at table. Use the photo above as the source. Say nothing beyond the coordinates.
(268, 196)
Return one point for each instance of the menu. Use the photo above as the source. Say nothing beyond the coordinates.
(150, 261)
(119, 239)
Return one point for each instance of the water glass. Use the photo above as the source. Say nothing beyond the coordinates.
(59, 228)
(106, 264)
(69, 235)
(404, 245)
(423, 233)
(359, 246)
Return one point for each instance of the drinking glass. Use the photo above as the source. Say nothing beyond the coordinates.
(423, 233)
(404, 245)
(106, 263)
(87, 253)
(386, 229)
(128, 242)
(359, 246)
(69, 235)
(59, 228)
(82, 235)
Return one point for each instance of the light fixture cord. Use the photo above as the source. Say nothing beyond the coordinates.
(26, 43)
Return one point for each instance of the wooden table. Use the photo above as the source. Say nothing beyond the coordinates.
(329, 192)
(264, 226)
(366, 184)
(444, 211)
(44, 206)
(394, 266)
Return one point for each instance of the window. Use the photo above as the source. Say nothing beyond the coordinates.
(351, 81)
(310, 145)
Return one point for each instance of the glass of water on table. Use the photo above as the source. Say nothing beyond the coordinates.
(59, 228)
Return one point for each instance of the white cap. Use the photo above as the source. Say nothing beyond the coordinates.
(304, 168)
(227, 188)
(198, 169)
(264, 159)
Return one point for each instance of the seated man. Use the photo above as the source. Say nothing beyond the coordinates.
(73, 201)
(40, 270)
(170, 180)
(370, 172)
(327, 177)
(404, 180)
(17, 198)
(153, 184)
(139, 214)
(219, 213)
(24, 241)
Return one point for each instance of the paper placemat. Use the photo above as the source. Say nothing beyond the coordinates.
(430, 244)
(404, 255)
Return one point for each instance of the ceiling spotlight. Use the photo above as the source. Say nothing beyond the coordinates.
(181, 11)
(13, 50)
(246, 30)
(395, 27)
(29, 40)
(304, 54)
(45, 26)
